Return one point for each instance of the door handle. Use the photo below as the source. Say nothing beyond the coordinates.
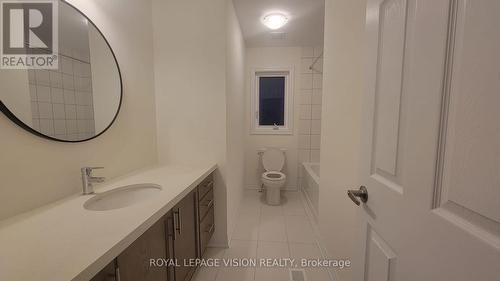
(361, 193)
(176, 221)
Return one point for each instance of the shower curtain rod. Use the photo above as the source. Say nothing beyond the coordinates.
(315, 61)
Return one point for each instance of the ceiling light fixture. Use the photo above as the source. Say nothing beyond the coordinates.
(275, 20)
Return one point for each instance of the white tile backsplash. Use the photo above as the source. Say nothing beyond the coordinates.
(315, 154)
(305, 65)
(311, 95)
(86, 70)
(306, 81)
(47, 127)
(304, 141)
(305, 112)
(57, 95)
(67, 65)
(83, 126)
(43, 93)
(316, 127)
(57, 109)
(316, 112)
(31, 76)
(315, 141)
(71, 127)
(69, 97)
(305, 97)
(304, 127)
(34, 110)
(33, 93)
(60, 127)
(59, 112)
(317, 98)
(317, 81)
(42, 77)
(70, 112)
(36, 124)
(45, 110)
(304, 155)
(56, 80)
(68, 82)
(81, 112)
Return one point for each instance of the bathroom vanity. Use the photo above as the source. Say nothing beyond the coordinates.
(67, 241)
(181, 235)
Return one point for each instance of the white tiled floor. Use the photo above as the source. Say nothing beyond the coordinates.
(264, 231)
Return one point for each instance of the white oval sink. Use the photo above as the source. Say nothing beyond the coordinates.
(122, 197)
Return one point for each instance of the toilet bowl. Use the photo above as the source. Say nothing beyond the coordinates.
(273, 179)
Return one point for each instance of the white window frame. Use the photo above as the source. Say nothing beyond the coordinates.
(287, 128)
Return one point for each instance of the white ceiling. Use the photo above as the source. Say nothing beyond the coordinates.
(304, 28)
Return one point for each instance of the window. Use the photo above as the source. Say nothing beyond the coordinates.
(272, 102)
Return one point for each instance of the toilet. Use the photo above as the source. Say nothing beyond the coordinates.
(273, 179)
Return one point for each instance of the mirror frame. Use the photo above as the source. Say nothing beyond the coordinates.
(9, 114)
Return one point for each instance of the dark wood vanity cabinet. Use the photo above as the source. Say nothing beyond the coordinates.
(181, 235)
(184, 237)
(205, 214)
(107, 274)
(134, 263)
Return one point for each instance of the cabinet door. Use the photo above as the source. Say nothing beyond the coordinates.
(107, 274)
(185, 241)
(134, 262)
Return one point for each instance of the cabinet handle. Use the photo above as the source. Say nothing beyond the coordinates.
(178, 225)
(209, 204)
(170, 226)
(117, 274)
(180, 222)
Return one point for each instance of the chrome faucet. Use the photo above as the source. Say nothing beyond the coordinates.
(88, 179)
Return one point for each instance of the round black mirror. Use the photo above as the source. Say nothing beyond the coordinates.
(76, 100)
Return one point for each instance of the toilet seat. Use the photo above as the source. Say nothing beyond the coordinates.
(273, 160)
(274, 176)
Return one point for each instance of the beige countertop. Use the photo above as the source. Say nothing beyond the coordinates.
(63, 241)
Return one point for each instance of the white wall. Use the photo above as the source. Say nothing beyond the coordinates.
(35, 171)
(192, 102)
(235, 95)
(341, 128)
(270, 57)
(15, 93)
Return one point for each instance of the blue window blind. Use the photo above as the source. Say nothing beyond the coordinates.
(272, 101)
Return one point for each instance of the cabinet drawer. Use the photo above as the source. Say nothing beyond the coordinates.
(206, 203)
(207, 228)
(205, 186)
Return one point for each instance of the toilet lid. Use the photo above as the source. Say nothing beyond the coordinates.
(273, 159)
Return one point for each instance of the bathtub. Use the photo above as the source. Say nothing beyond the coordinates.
(310, 186)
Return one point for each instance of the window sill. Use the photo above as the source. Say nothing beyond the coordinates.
(271, 132)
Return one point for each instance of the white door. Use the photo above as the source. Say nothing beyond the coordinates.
(432, 142)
